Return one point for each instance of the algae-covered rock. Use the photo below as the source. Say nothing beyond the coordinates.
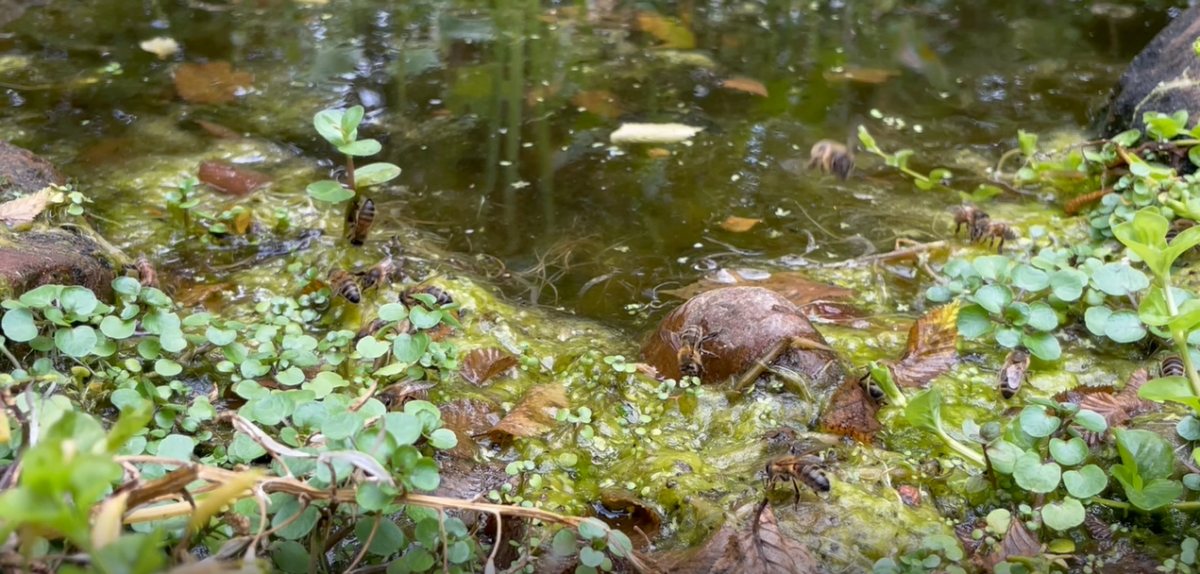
(1164, 77)
(72, 256)
(742, 325)
(22, 171)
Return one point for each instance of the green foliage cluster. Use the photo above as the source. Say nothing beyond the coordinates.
(340, 129)
(938, 553)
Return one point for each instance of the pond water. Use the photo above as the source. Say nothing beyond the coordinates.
(499, 114)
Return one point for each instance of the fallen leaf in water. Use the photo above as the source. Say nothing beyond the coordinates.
(831, 312)
(860, 75)
(760, 549)
(600, 102)
(909, 494)
(534, 416)
(231, 180)
(211, 83)
(1017, 542)
(218, 131)
(626, 512)
(658, 153)
(851, 412)
(932, 348)
(241, 223)
(653, 133)
(162, 47)
(794, 287)
(23, 210)
(739, 224)
(480, 365)
(747, 85)
(1117, 407)
(670, 33)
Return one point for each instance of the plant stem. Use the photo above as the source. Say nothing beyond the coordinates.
(350, 172)
(1111, 503)
(961, 449)
(1180, 336)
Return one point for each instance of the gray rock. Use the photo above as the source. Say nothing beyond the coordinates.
(1164, 77)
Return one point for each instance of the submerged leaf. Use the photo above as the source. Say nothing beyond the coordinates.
(761, 549)
(535, 414)
(600, 102)
(672, 34)
(230, 180)
(210, 83)
(743, 84)
(481, 365)
(739, 224)
(931, 349)
(851, 412)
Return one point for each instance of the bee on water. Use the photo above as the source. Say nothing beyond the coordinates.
(832, 157)
(343, 284)
(146, 274)
(378, 274)
(970, 217)
(990, 231)
(359, 225)
(1012, 374)
(797, 469)
(689, 343)
(1172, 366)
(440, 297)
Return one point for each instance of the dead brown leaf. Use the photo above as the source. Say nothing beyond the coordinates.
(1017, 542)
(760, 549)
(23, 210)
(600, 102)
(831, 312)
(626, 512)
(743, 84)
(218, 131)
(794, 287)
(1116, 407)
(931, 349)
(534, 416)
(210, 83)
(670, 33)
(860, 75)
(231, 180)
(468, 418)
(481, 365)
(852, 412)
(658, 153)
(739, 224)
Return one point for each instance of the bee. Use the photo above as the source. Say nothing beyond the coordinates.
(440, 297)
(146, 275)
(797, 469)
(377, 274)
(343, 284)
(358, 225)
(1172, 366)
(394, 396)
(1012, 374)
(689, 343)
(1178, 226)
(970, 217)
(832, 157)
(993, 230)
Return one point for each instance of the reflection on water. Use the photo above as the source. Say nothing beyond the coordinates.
(500, 113)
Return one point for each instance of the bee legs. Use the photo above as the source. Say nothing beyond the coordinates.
(796, 486)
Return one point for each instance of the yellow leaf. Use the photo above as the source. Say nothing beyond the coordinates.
(739, 224)
(671, 34)
(743, 84)
(106, 528)
(223, 495)
(22, 210)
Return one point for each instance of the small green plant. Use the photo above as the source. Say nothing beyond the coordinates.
(181, 201)
(595, 540)
(340, 129)
(937, 553)
(939, 177)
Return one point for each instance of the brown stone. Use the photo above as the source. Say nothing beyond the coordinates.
(746, 324)
(21, 170)
(1164, 77)
(55, 257)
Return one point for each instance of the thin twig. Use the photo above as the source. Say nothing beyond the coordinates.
(911, 251)
(367, 544)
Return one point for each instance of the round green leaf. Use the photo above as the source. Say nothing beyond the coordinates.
(114, 328)
(999, 520)
(77, 342)
(418, 559)
(1189, 428)
(1034, 476)
(443, 439)
(1042, 317)
(405, 428)
(361, 148)
(564, 543)
(1017, 313)
(393, 312)
(1067, 284)
(1063, 515)
(993, 298)
(375, 174)
(1037, 422)
(220, 337)
(43, 296)
(425, 475)
(1007, 337)
(18, 325)
(1091, 420)
(167, 367)
(290, 556)
(1030, 278)
(290, 377)
(328, 123)
(299, 527)
(938, 294)
(974, 322)
(342, 426)
(78, 300)
(424, 319)
(388, 539)
(176, 446)
(127, 286)
(991, 267)
(1096, 319)
(1003, 456)
(329, 191)
(171, 340)
(371, 348)
(1124, 327)
(1119, 279)
(1085, 482)
(1068, 453)
(126, 399)
(588, 556)
(592, 529)
(409, 348)
(1191, 481)
(1042, 345)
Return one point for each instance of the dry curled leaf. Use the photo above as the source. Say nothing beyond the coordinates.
(535, 414)
(860, 75)
(210, 83)
(231, 180)
(600, 102)
(760, 549)
(23, 210)
(653, 133)
(360, 460)
(670, 33)
(1017, 542)
(931, 349)
(1116, 407)
(244, 426)
(851, 412)
(747, 85)
(739, 224)
(481, 365)
(163, 47)
(106, 525)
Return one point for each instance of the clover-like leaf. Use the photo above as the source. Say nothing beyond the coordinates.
(1034, 475)
(1086, 482)
(1063, 515)
(1068, 452)
(375, 174)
